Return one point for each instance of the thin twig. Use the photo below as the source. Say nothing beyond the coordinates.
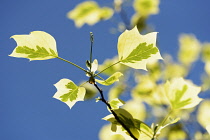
(115, 115)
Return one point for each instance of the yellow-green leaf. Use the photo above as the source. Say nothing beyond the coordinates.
(203, 115)
(137, 127)
(89, 12)
(206, 52)
(182, 94)
(68, 92)
(116, 103)
(113, 78)
(146, 7)
(189, 49)
(136, 50)
(38, 45)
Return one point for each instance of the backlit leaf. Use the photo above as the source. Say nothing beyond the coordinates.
(208, 129)
(189, 49)
(206, 52)
(136, 50)
(38, 45)
(137, 127)
(113, 78)
(203, 114)
(146, 7)
(182, 94)
(89, 12)
(116, 103)
(68, 92)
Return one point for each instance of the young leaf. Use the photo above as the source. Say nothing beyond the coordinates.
(136, 50)
(89, 12)
(113, 78)
(182, 94)
(68, 92)
(116, 103)
(38, 45)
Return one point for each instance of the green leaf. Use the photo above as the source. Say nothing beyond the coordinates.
(116, 103)
(68, 92)
(136, 50)
(38, 45)
(182, 94)
(113, 78)
(123, 115)
(89, 12)
(142, 51)
(137, 127)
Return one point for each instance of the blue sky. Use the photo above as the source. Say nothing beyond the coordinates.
(27, 109)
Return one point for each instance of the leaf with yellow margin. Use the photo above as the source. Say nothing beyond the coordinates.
(89, 12)
(136, 50)
(38, 45)
(182, 94)
(68, 92)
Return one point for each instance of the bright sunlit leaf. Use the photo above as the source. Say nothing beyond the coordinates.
(68, 92)
(89, 12)
(189, 49)
(139, 129)
(206, 52)
(38, 45)
(116, 103)
(203, 114)
(146, 7)
(113, 78)
(182, 94)
(136, 50)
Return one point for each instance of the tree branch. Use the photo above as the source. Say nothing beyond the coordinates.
(115, 115)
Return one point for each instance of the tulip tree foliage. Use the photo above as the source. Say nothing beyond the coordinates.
(164, 87)
(134, 50)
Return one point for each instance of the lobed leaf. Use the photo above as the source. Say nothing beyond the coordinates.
(182, 94)
(136, 50)
(68, 92)
(113, 78)
(38, 45)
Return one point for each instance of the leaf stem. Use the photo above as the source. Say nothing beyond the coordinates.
(72, 63)
(163, 122)
(115, 115)
(107, 68)
(91, 49)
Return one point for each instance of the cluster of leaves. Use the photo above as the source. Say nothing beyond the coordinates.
(90, 13)
(164, 89)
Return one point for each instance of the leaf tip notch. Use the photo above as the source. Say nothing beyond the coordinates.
(136, 50)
